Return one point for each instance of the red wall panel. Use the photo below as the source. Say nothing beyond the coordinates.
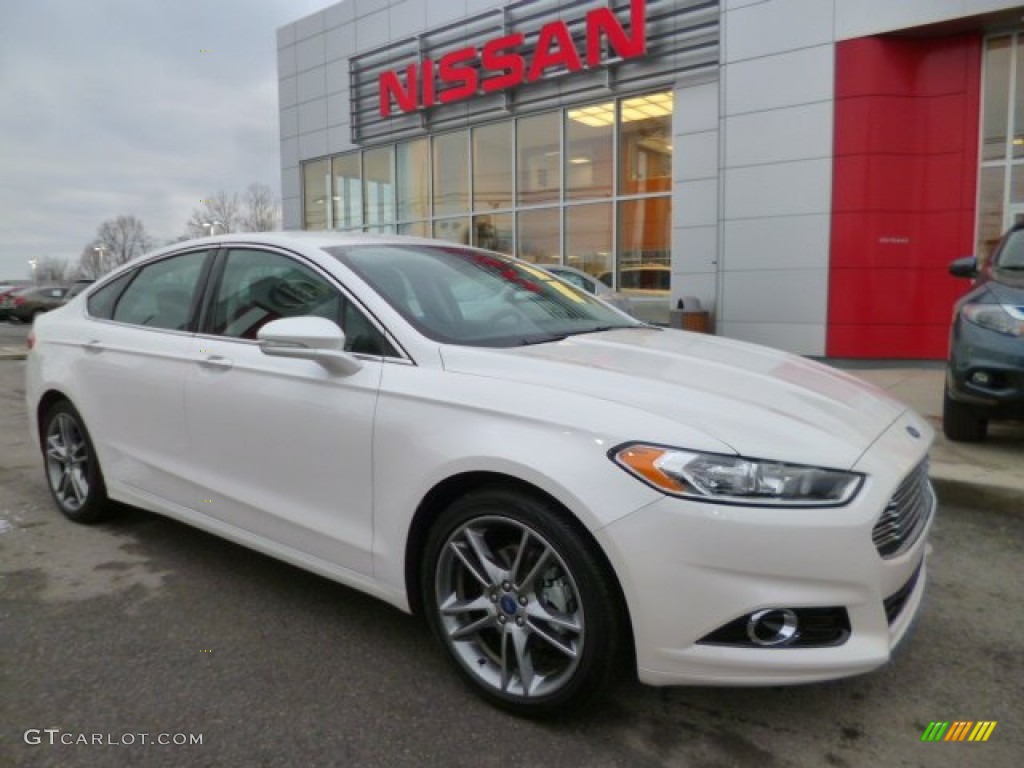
(904, 187)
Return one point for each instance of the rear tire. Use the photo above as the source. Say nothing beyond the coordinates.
(522, 605)
(72, 470)
(961, 422)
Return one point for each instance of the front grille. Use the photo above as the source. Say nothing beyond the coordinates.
(894, 603)
(906, 514)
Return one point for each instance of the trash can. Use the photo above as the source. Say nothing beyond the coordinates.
(689, 316)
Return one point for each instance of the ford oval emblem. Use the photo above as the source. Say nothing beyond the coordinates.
(913, 432)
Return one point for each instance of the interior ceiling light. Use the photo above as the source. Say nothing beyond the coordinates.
(639, 108)
(596, 116)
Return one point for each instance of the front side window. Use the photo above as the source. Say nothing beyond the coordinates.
(162, 293)
(257, 287)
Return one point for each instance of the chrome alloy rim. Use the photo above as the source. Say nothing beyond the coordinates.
(509, 607)
(67, 462)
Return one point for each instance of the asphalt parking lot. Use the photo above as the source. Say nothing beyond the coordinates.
(145, 626)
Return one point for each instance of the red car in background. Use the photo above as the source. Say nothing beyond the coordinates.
(26, 302)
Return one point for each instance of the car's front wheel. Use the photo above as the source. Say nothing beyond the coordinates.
(521, 602)
(961, 422)
(72, 469)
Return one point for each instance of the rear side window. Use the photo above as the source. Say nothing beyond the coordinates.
(161, 294)
(101, 303)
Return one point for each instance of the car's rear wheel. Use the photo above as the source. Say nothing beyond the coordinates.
(961, 422)
(520, 601)
(72, 469)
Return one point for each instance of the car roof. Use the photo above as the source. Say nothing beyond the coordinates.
(313, 239)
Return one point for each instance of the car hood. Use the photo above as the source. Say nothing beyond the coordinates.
(757, 401)
(1010, 290)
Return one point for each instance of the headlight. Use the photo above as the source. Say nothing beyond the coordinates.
(996, 317)
(736, 480)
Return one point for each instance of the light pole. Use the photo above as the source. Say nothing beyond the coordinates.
(100, 260)
(212, 226)
(33, 263)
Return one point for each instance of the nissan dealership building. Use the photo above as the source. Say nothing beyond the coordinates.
(805, 169)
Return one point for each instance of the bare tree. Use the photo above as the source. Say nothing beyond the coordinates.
(217, 215)
(51, 270)
(120, 240)
(91, 262)
(262, 209)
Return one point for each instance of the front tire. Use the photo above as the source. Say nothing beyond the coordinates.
(521, 602)
(961, 422)
(72, 470)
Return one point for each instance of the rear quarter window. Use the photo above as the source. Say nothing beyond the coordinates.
(102, 302)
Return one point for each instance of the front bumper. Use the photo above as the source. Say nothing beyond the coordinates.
(974, 349)
(689, 568)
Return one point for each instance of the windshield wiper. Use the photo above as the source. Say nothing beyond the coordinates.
(542, 338)
(602, 328)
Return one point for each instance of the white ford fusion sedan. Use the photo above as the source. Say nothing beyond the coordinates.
(562, 491)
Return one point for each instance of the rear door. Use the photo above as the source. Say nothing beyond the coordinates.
(130, 373)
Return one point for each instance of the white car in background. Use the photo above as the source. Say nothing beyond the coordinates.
(648, 288)
(562, 491)
(590, 284)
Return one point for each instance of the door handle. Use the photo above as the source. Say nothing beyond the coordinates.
(216, 363)
(93, 346)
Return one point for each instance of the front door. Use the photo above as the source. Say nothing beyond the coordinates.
(281, 447)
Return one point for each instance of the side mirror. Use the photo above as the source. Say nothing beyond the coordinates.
(308, 338)
(964, 267)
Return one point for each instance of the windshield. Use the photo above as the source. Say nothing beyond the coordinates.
(476, 298)
(1011, 253)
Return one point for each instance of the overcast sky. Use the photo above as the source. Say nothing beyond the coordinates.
(112, 107)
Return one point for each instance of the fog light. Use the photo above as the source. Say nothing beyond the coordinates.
(981, 378)
(776, 626)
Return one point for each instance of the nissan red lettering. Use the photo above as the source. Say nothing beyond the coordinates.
(497, 64)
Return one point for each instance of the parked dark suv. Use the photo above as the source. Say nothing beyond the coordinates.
(985, 375)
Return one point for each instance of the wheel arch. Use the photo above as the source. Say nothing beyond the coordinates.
(49, 398)
(449, 489)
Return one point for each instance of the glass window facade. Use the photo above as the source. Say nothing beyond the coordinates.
(316, 193)
(413, 180)
(588, 186)
(1001, 177)
(451, 173)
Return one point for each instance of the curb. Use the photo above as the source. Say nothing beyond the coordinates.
(996, 498)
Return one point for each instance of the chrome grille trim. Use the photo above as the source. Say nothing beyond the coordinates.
(906, 514)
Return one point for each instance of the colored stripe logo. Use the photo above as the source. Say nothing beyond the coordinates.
(959, 730)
